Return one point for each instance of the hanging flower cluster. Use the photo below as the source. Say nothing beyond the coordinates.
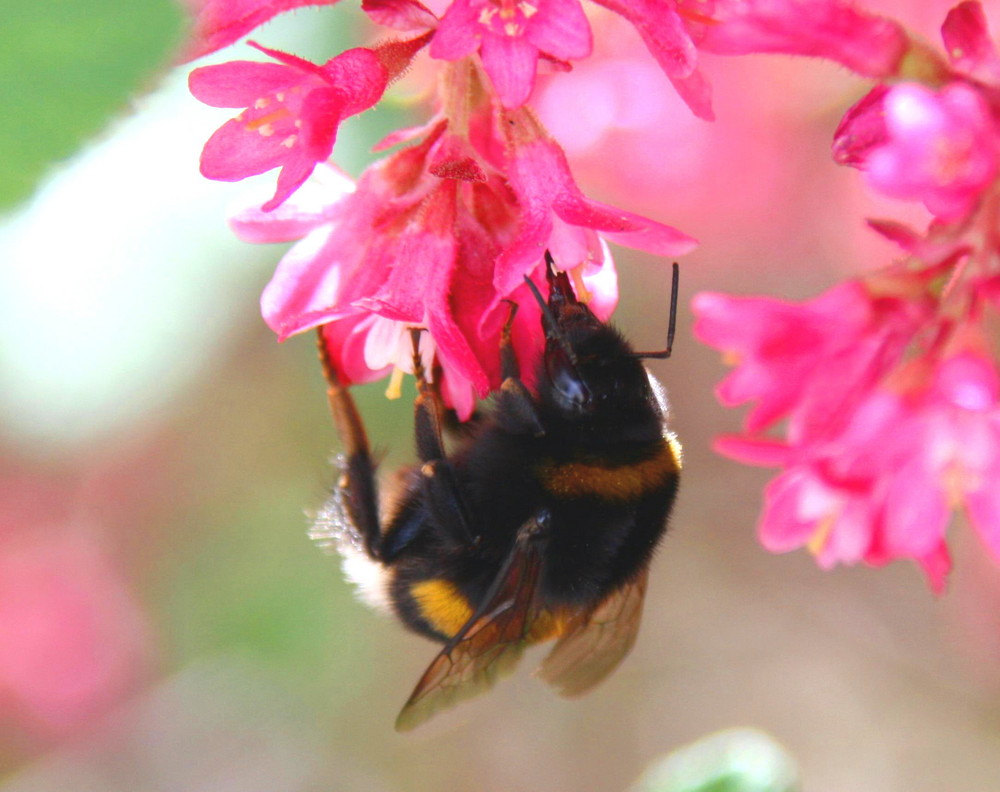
(440, 232)
(888, 385)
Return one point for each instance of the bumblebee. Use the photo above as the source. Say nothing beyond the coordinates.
(539, 525)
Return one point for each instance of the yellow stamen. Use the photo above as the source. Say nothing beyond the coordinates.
(395, 389)
(265, 120)
(582, 292)
(819, 539)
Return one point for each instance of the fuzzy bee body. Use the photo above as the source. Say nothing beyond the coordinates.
(540, 525)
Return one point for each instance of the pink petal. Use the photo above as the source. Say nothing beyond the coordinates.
(753, 450)
(511, 63)
(662, 31)
(696, 92)
(559, 28)
(861, 129)
(240, 83)
(916, 513)
(316, 202)
(833, 29)
(625, 228)
(233, 153)
(406, 15)
(303, 283)
(968, 43)
(459, 32)
(345, 340)
(781, 527)
(222, 22)
(936, 566)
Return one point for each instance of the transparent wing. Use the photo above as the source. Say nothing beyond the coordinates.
(489, 645)
(596, 641)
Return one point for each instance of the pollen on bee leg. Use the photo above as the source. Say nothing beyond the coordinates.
(395, 387)
(582, 292)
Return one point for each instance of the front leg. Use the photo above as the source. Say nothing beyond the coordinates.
(516, 410)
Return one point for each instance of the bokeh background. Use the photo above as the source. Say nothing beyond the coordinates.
(165, 624)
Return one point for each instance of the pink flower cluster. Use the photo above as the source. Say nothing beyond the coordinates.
(885, 388)
(439, 233)
(888, 386)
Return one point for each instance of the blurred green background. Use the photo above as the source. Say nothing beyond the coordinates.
(165, 624)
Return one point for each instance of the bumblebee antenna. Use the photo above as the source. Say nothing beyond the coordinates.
(552, 326)
(663, 354)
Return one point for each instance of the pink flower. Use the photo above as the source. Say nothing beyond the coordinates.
(555, 215)
(219, 23)
(510, 36)
(956, 441)
(938, 147)
(293, 110)
(781, 349)
(873, 440)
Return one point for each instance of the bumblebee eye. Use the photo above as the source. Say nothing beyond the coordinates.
(571, 389)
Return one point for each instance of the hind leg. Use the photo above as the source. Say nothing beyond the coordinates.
(356, 493)
(443, 495)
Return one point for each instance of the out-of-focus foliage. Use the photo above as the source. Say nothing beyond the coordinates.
(65, 67)
(735, 760)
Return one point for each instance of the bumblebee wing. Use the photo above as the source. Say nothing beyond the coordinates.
(596, 641)
(489, 645)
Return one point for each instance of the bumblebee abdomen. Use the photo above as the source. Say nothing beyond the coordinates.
(612, 480)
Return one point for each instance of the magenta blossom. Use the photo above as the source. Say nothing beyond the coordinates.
(865, 429)
(942, 148)
(510, 36)
(293, 111)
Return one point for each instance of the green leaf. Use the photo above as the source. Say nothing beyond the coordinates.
(735, 760)
(66, 67)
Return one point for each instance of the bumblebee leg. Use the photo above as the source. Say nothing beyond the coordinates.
(440, 484)
(357, 482)
(516, 413)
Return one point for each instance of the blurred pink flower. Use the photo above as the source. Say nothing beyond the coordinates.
(777, 346)
(881, 440)
(942, 147)
(968, 44)
(74, 640)
(510, 36)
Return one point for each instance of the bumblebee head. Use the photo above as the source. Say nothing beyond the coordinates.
(587, 368)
